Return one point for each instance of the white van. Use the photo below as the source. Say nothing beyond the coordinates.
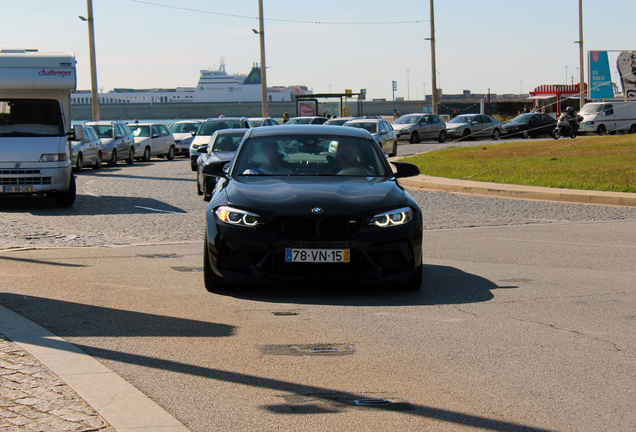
(35, 132)
(612, 117)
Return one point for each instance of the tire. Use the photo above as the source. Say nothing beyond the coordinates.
(170, 155)
(131, 157)
(66, 199)
(495, 134)
(193, 165)
(442, 137)
(415, 138)
(212, 281)
(98, 161)
(79, 164)
(394, 149)
(146, 156)
(525, 134)
(113, 159)
(555, 134)
(601, 130)
(414, 283)
(632, 130)
(207, 190)
(466, 134)
(199, 190)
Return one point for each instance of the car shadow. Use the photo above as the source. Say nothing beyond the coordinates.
(441, 285)
(87, 205)
(67, 319)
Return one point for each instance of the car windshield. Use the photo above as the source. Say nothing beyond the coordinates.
(337, 122)
(370, 126)
(300, 120)
(257, 123)
(407, 119)
(30, 117)
(591, 109)
(460, 119)
(209, 127)
(184, 127)
(227, 142)
(310, 155)
(103, 131)
(523, 118)
(140, 131)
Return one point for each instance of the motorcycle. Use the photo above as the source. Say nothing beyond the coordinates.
(566, 126)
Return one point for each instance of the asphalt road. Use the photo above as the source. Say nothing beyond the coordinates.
(525, 321)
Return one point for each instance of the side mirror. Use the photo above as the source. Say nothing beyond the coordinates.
(119, 136)
(475, 122)
(215, 169)
(406, 169)
(202, 149)
(155, 136)
(78, 133)
(193, 133)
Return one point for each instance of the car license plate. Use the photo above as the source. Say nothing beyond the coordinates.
(17, 189)
(317, 255)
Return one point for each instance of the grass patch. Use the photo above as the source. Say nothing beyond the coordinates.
(592, 163)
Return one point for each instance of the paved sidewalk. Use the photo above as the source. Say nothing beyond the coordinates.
(32, 398)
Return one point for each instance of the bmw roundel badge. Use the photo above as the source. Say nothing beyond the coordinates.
(316, 210)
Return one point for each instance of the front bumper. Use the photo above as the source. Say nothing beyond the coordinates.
(257, 255)
(454, 132)
(36, 180)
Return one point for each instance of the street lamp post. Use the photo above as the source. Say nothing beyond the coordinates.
(91, 47)
(434, 101)
(393, 89)
(408, 85)
(521, 87)
(424, 91)
(261, 33)
(566, 74)
(581, 65)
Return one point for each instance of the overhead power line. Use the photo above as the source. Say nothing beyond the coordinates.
(277, 19)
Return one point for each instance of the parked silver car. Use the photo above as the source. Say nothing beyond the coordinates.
(381, 130)
(420, 126)
(183, 133)
(339, 121)
(263, 121)
(468, 126)
(152, 139)
(88, 151)
(117, 139)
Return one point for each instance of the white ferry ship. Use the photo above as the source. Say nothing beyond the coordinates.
(214, 86)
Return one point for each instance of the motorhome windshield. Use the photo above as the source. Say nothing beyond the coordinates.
(30, 117)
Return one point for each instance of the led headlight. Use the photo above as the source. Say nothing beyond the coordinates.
(232, 216)
(392, 218)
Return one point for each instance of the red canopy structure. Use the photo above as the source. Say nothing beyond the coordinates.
(560, 91)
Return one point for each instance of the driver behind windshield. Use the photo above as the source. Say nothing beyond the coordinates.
(272, 161)
(348, 160)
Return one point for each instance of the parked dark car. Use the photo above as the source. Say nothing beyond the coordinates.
(222, 147)
(311, 204)
(529, 125)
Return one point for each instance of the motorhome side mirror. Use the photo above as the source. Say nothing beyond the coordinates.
(406, 169)
(215, 169)
(78, 133)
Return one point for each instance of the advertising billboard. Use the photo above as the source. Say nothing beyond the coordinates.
(601, 77)
(626, 65)
(602, 86)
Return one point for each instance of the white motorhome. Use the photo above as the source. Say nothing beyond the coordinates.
(35, 120)
(612, 117)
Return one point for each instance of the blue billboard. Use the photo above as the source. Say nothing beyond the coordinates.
(601, 78)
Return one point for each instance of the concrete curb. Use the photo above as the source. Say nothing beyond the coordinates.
(519, 192)
(118, 402)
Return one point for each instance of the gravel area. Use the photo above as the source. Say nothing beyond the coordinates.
(156, 202)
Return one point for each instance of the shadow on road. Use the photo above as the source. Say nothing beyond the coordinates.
(78, 320)
(87, 205)
(441, 285)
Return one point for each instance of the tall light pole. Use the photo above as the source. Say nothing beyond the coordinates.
(521, 87)
(581, 59)
(424, 91)
(434, 101)
(261, 33)
(408, 85)
(566, 74)
(91, 47)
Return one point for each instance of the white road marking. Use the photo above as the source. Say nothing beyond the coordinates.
(158, 210)
(88, 193)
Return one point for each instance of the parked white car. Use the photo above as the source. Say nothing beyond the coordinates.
(152, 139)
(420, 126)
(117, 139)
(88, 151)
(183, 133)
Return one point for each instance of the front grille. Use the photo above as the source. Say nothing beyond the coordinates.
(19, 172)
(18, 181)
(328, 228)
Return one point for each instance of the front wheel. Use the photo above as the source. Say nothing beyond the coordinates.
(98, 161)
(525, 134)
(146, 156)
(212, 281)
(131, 157)
(601, 130)
(415, 138)
(199, 190)
(555, 134)
(66, 199)
(170, 155)
(113, 159)
(80, 163)
(394, 150)
(466, 134)
(495, 134)
(442, 137)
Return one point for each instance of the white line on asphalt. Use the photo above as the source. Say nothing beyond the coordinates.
(88, 193)
(564, 242)
(158, 210)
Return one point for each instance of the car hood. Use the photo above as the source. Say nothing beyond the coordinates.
(299, 195)
(514, 124)
(399, 127)
(456, 125)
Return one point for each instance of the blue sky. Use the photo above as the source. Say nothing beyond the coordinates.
(480, 44)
